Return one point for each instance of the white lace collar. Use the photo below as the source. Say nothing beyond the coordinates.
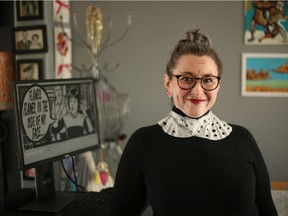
(208, 126)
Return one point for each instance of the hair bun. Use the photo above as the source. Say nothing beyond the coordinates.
(196, 36)
(194, 43)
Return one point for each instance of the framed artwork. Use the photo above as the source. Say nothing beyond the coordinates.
(30, 39)
(31, 69)
(265, 74)
(29, 10)
(266, 22)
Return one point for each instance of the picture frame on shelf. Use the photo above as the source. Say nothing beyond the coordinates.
(265, 74)
(29, 10)
(29, 69)
(30, 39)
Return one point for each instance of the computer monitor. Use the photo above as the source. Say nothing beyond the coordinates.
(54, 119)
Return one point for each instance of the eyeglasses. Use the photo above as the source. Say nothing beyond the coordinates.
(208, 83)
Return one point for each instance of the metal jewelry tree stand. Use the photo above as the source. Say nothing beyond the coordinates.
(113, 106)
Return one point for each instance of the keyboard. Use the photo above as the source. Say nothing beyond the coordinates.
(88, 204)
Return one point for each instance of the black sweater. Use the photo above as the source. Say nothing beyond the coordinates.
(192, 176)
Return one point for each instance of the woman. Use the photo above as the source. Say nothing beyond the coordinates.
(35, 42)
(191, 162)
(75, 122)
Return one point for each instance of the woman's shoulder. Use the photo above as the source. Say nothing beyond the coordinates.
(241, 132)
(148, 130)
(239, 128)
(146, 133)
(142, 137)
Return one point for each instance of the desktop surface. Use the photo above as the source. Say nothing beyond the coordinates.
(89, 204)
(51, 206)
(65, 203)
(16, 212)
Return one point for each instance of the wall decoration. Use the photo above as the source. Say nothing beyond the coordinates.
(63, 52)
(264, 74)
(61, 11)
(29, 10)
(31, 69)
(266, 22)
(7, 75)
(30, 39)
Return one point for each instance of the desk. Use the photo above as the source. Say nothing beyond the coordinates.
(52, 206)
(15, 212)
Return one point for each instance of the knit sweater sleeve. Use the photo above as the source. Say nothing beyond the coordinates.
(263, 200)
(129, 194)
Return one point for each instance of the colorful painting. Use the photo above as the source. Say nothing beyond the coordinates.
(266, 22)
(264, 74)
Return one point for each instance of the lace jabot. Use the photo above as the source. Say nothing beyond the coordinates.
(208, 126)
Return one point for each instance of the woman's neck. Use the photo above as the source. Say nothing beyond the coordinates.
(180, 112)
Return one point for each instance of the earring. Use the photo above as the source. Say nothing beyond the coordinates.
(169, 93)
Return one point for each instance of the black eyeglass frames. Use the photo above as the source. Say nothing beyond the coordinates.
(208, 83)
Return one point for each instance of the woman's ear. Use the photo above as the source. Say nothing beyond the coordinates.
(219, 86)
(166, 81)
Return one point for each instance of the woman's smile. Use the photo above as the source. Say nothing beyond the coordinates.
(196, 100)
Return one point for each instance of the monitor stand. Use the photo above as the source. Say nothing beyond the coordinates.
(47, 199)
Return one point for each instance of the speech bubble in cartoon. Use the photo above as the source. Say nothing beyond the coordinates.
(36, 115)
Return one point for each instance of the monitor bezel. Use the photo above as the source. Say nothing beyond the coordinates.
(17, 107)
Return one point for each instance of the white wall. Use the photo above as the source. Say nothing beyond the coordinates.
(156, 27)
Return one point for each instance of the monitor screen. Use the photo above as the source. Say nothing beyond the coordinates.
(54, 119)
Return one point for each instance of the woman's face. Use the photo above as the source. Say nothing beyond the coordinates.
(196, 101)
(73, 104)
(35, 38)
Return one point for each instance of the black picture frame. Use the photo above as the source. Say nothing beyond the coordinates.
(29, 69)
(30, 39)
(29, 10)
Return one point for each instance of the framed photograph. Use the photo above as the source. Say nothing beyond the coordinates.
(31, 69)
(266, 22)
(30, 39)
(29, 10)
(265, 74)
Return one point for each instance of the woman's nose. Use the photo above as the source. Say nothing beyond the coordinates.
(197, 87)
